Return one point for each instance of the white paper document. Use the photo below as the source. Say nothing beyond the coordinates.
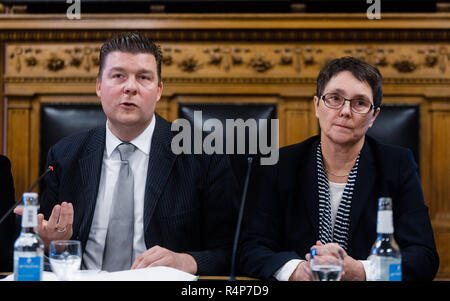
(160, 273)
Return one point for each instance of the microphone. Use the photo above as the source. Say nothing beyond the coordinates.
(49, 169)
(239, 222)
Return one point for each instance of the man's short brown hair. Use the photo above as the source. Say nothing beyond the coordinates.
(134, 43)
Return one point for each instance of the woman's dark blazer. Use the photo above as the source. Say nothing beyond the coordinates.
(282, 215)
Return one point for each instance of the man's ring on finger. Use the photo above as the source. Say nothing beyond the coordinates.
(61, 230)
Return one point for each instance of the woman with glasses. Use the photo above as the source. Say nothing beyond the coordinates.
(323, 192)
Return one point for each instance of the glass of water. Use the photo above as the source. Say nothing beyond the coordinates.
(65, 259)
(327, 263)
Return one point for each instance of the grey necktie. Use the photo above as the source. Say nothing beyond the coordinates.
(118, 251)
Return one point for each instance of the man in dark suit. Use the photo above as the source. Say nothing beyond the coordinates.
(7, 227)
(184, 205)
(325, 190)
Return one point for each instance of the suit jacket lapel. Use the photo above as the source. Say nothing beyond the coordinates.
(365, 182)
(90, 171)
(309, 187)
(160, 163)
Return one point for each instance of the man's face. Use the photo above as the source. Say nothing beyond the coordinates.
(129, 90)
(343, 126)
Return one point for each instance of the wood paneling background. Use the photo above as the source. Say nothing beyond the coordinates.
(236, 58)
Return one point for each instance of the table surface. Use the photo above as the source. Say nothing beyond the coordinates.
(237, 277)
(200, 277)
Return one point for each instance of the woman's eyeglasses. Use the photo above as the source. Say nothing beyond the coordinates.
(357, 105)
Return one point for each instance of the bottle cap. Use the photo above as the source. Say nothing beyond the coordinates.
(29, 195)
(384, 203)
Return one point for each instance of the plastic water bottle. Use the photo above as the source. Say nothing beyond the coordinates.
(29, 248)
(385, 257)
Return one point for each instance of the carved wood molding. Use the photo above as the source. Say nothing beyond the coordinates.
(48, 80)
(222, 80)
(307, 35)
(234, 59)
(352, 27)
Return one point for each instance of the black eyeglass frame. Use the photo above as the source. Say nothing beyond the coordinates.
(372, 106)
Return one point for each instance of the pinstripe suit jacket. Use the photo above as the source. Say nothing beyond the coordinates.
(283, 210)
(189, 204)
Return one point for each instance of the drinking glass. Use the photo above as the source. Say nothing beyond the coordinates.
(65, 259)
(326, 266)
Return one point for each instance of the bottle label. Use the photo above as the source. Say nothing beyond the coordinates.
(29, 269)
(384, 269)
(29, 216)
(374, 268)
(384, 224)
(395, 272)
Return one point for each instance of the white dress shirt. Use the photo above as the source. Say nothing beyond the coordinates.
(336, 191)
(93, 254)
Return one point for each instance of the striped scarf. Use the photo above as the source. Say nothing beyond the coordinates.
(339, 233)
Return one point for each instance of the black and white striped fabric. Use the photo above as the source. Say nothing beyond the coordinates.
(338, 233)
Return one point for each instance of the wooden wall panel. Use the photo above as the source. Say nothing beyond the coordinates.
(440, 161)
(298, 125)
(2, 96)
(442, 236)
(18, 144)
(440, 192)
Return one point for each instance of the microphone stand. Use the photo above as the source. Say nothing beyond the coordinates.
(49, 169)
(239, 222)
